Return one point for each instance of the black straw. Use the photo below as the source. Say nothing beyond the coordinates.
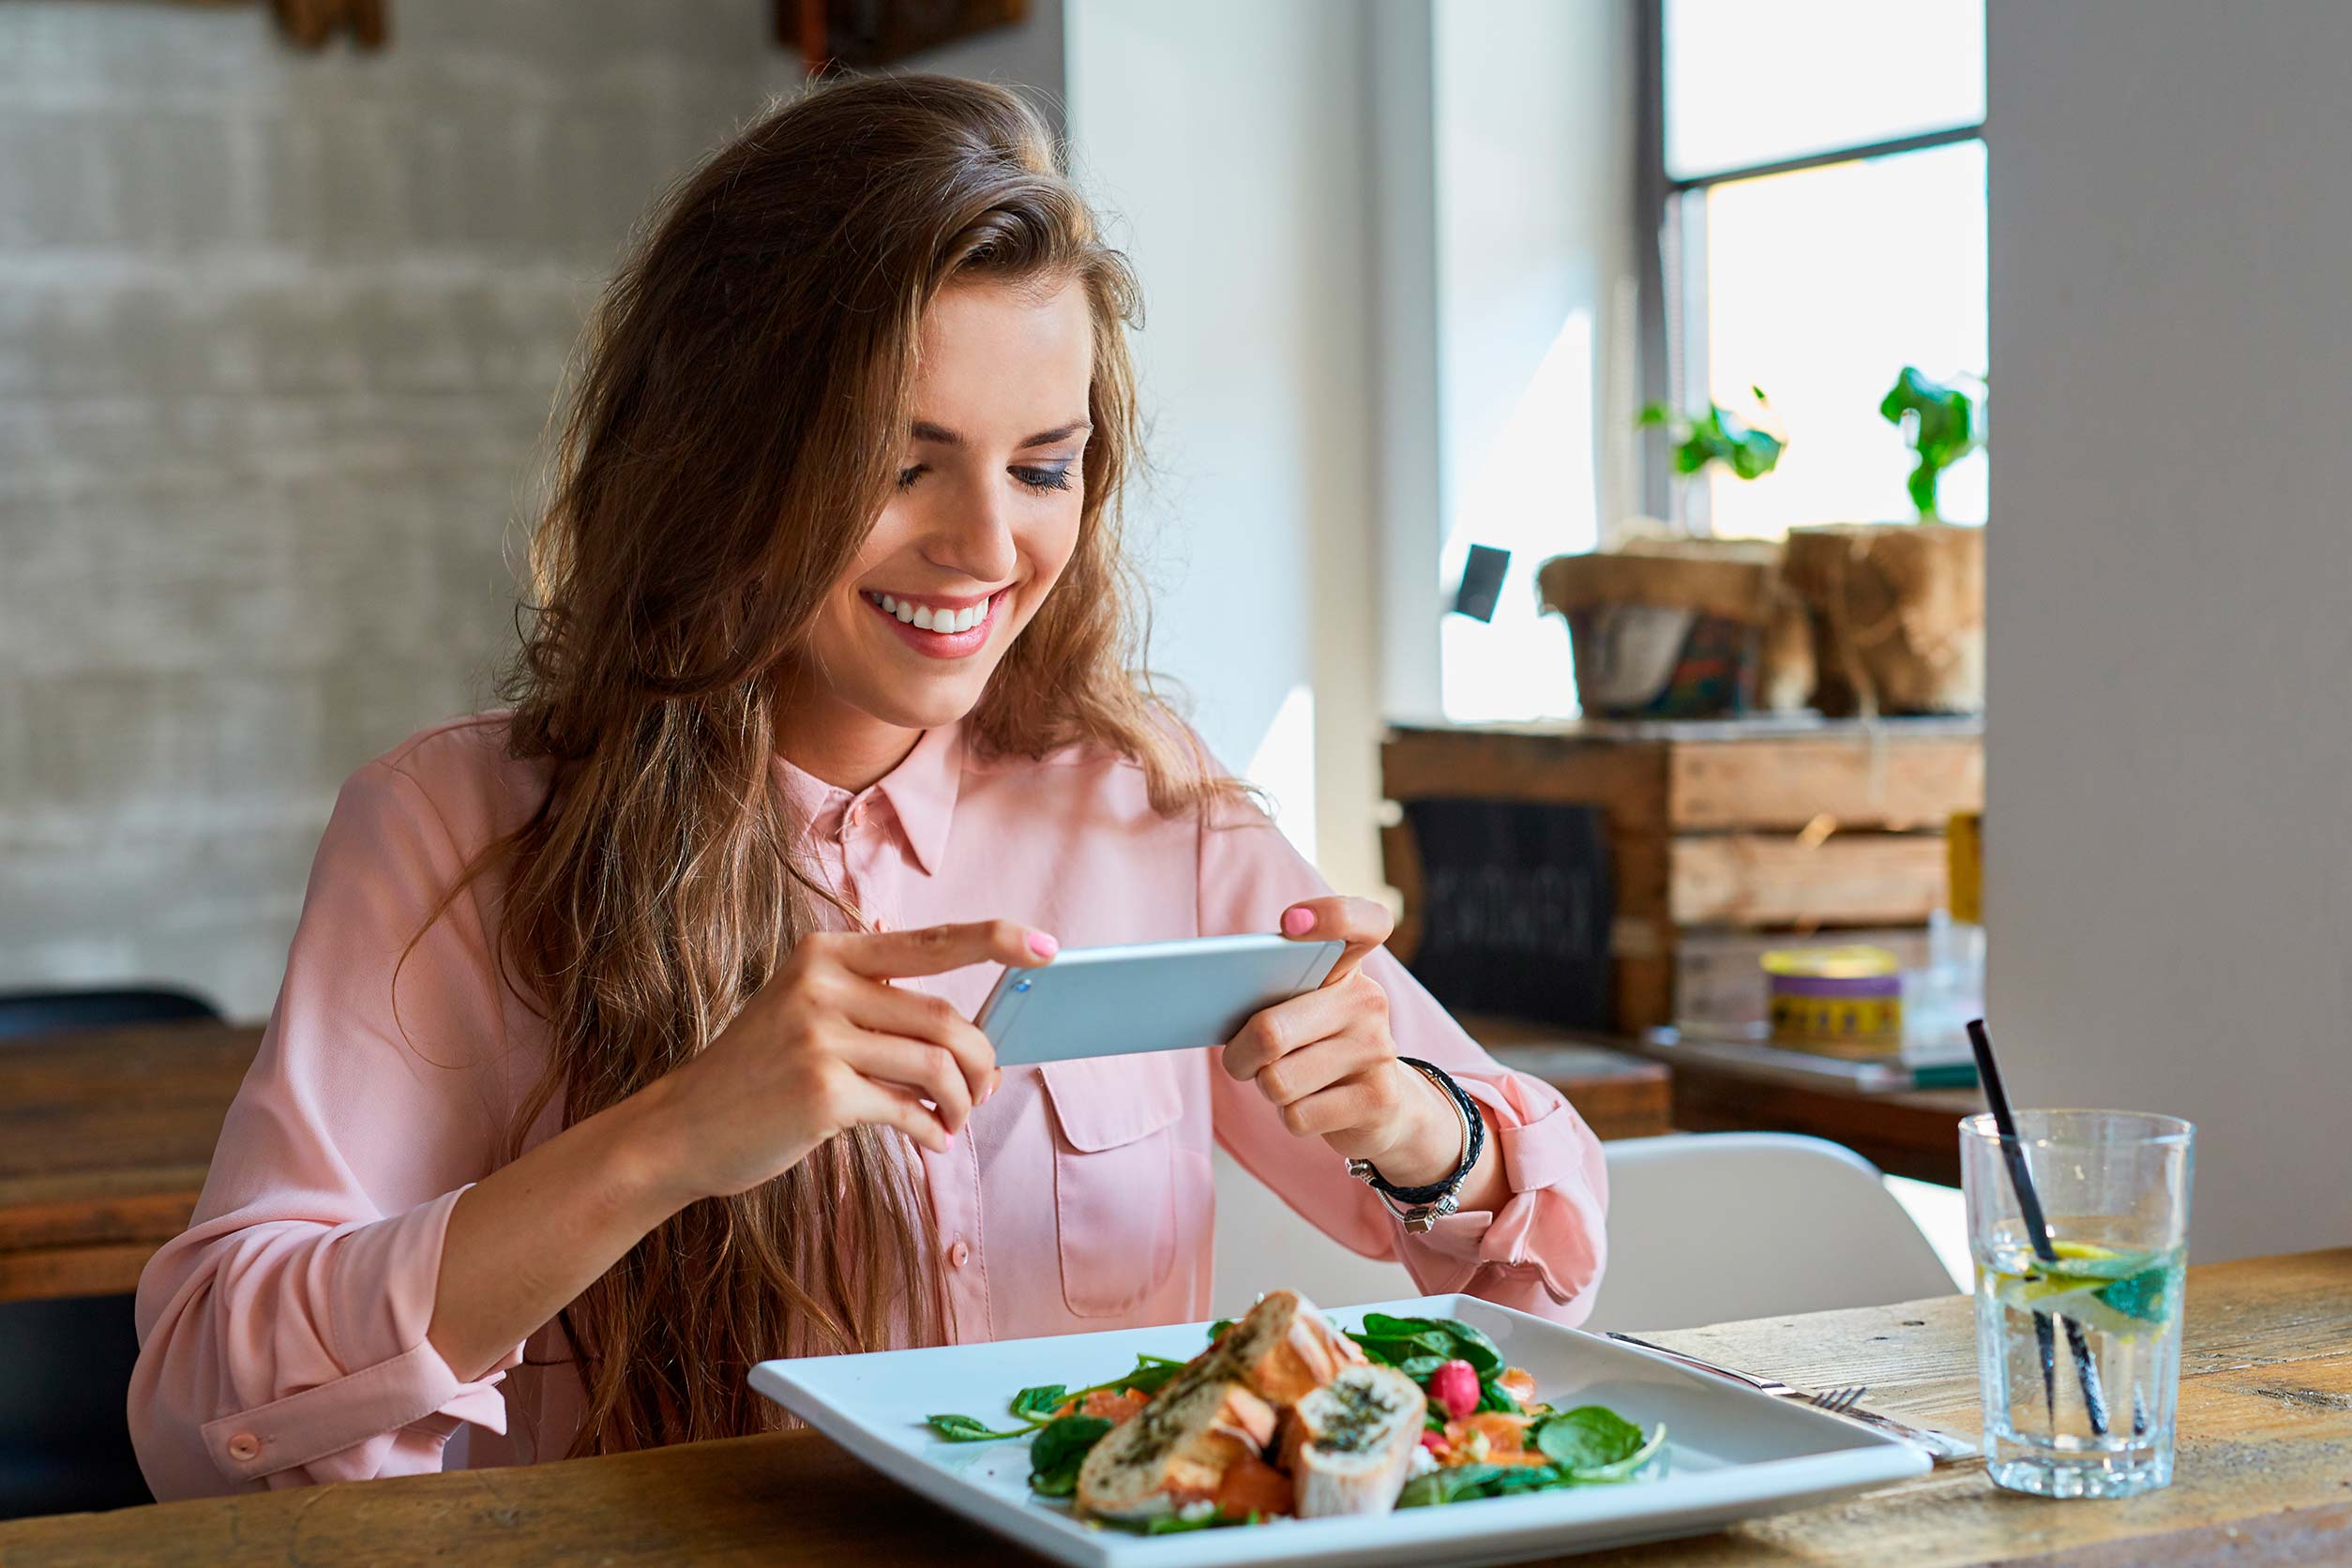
(2038, 1233)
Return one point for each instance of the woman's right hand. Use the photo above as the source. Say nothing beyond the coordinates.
(829, 1044)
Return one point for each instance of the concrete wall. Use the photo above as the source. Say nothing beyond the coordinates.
(1228, 141)
(278, 334)
(2169, 871)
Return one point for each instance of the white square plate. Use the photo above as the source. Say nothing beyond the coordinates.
(1731, 1452)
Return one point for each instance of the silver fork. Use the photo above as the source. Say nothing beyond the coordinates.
(1844, 1402)
(1839, 1401)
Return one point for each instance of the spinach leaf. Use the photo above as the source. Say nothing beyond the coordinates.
(964, 1428)
(1594, 1442)
(1446, 1485)
(1150, 1376)
(1485, 1359)
(1061, 1448)
(1420, 1367)
(1628, 1465)
(1038, 1404)
(1174, 1524)
(1216, 1329)
(1492, 1396)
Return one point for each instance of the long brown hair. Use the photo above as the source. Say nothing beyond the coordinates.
(732, 433)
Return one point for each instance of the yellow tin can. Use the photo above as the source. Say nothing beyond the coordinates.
(1846, 996)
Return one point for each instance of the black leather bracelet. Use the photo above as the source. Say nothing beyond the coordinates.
(1472, 1147)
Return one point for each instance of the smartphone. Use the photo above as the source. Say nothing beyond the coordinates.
(1149, 996)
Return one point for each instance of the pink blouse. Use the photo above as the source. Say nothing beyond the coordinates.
(284, 1335)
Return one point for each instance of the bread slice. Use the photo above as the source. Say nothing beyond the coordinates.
(1285, 1350)
(1349, 1444)
(1178, 1450)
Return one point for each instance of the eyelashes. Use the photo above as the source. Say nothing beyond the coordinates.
(1042, 480)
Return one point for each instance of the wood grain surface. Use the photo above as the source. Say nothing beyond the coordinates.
(2264, 1473)
(105, 1136)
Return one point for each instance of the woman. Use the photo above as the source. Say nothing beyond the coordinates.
(623, 1043)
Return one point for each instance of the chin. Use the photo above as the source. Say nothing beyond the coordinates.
(948, 703)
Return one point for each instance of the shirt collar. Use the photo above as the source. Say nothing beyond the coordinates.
(921, 790)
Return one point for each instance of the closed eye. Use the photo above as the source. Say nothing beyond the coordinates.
(1055, 478)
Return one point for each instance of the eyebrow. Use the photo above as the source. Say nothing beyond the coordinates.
(924, 431)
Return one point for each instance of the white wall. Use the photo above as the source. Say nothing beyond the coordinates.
(1226, 141)
(2169, 875)
(1534, 225)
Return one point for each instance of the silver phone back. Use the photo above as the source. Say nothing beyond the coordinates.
(1156, 996)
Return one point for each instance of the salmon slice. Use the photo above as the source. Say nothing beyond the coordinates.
(1114, 1407)
(1350, 1443)
(1179, 1450)
(1254, 1487)
(1284, 1348)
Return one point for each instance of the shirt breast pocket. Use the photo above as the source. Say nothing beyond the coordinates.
(1114, 1177)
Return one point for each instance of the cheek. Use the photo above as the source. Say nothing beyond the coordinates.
(1050, 542)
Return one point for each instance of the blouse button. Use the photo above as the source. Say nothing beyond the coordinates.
(959, 1254)
(245, 1447)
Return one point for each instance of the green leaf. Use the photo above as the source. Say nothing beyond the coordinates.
(964, 1428)
(1473, 1346)
(1216, 1329)
(1653, 413)
(1587, 1437)
(1624, 1468)
(1038, 1404)
(1492, 1396)
(1061, 1448)
(1447, 1485)
(1420, 1368)
(1172, 1524)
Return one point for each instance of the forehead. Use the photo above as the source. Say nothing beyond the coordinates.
(1004, 354)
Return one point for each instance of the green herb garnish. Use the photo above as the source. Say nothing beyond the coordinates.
(1061, 1448)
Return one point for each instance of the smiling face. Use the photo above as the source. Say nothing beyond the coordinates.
(983, 520)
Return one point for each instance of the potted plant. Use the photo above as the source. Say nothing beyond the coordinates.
(1678, 627)
(1898, 610)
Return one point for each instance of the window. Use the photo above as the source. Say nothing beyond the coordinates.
(1818, 169)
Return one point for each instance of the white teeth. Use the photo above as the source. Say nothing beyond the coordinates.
(946, 623)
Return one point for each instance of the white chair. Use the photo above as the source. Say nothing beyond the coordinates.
(1704, 1228)
(1713, 1228)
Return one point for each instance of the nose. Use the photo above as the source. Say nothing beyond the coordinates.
(975, 538)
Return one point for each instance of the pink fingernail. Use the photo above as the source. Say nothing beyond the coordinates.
(1043, 945)
(1297, 922)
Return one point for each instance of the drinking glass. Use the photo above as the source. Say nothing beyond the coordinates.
(2078, 1327)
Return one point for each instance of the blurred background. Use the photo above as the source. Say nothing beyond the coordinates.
(1572, 451)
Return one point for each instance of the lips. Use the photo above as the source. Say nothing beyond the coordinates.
(939, 627)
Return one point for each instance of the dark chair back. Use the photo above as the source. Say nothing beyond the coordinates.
(25, 1013)
(64, 1364)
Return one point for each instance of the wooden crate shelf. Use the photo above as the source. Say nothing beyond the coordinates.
(1757, 826)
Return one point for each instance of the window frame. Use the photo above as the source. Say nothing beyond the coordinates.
(1673, 293)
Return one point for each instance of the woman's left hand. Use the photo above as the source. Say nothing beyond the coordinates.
(1328, 1064)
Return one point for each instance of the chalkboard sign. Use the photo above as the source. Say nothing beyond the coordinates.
(1516, 905)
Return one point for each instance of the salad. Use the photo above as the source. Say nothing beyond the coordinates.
(1283, 1416)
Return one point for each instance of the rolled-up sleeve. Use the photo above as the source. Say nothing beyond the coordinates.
(284, 1336)
(1544, 1249)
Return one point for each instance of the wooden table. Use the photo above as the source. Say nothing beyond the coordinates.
(2264, 1473)
(105, 1136)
